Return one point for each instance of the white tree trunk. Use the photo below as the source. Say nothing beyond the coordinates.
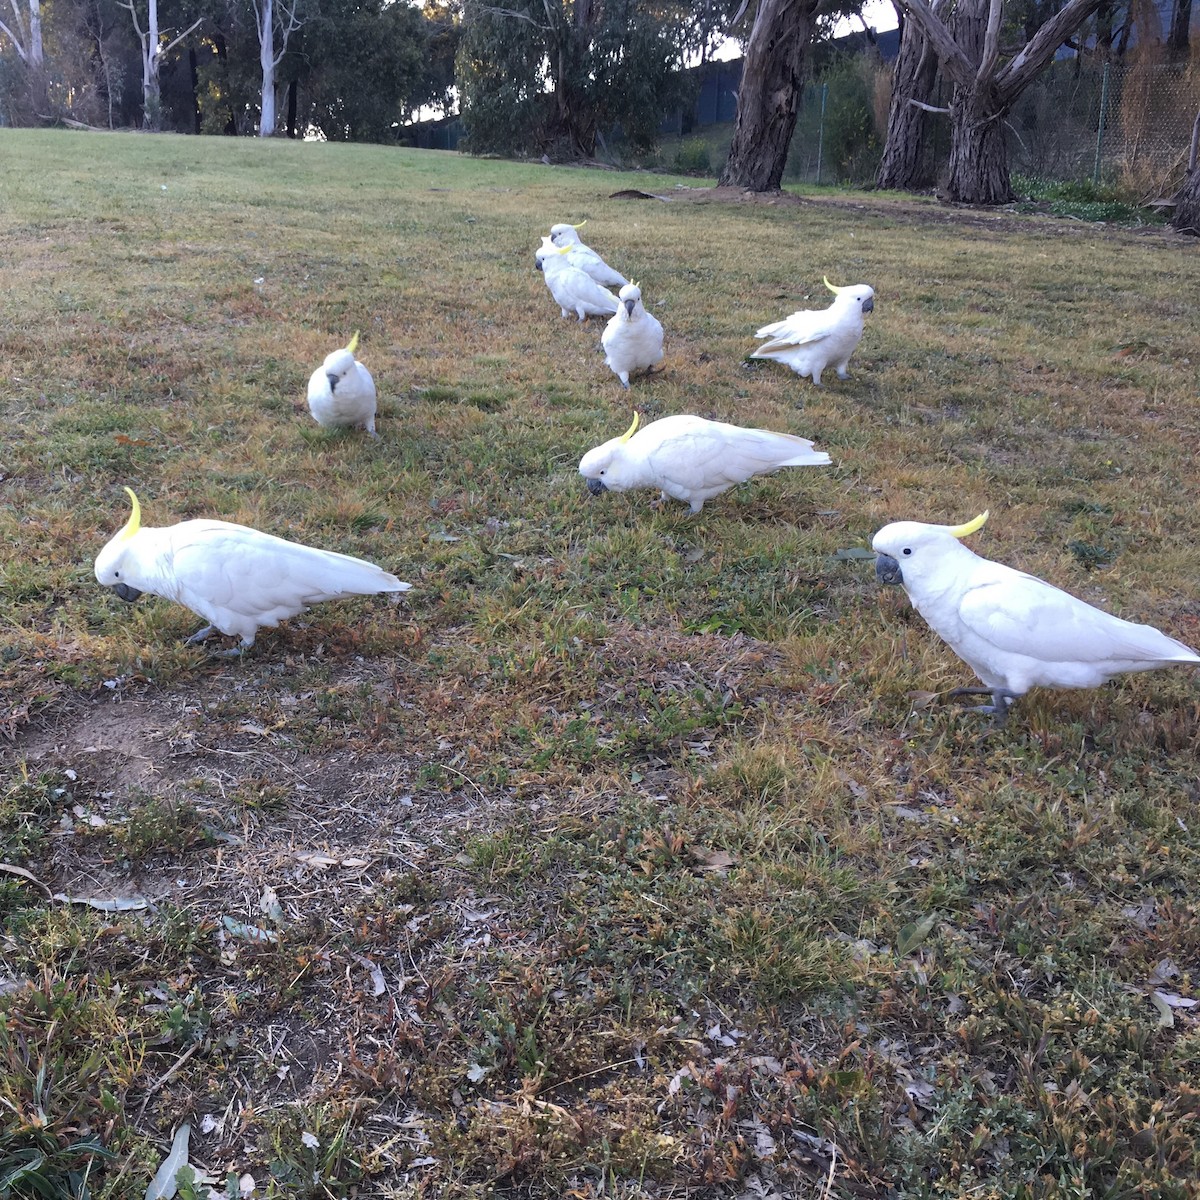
(267, 59)
(151, 95)
(35, 34)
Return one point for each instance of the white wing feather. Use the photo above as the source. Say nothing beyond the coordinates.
(712, 453)
(1021, 614)
(241, 579)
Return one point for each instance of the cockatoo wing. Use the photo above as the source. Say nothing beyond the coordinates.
(717, 453)
(573, 289)
(1021, 614)
(261, 577)
(800, 329)
(587, 260)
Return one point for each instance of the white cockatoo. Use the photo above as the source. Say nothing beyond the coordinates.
(573, 291)
(812, 339)
(692, 459)
(238, 579)
(341, 392)
(583, 256)
(1013, 630)
(632, 339)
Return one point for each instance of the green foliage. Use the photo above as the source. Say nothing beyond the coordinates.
(693, 157)
(851, 143)
(557, 77)
(368, 70)
(1083, 200)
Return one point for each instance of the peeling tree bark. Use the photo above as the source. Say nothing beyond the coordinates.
(905, 165)
(985, 88)
(773, 71)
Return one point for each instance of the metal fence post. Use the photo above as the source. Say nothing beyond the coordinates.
(1100, 125)
(821, 129)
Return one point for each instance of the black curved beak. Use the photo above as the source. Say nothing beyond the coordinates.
(596, 486)
(887, 569)
(537, 262)
(629, 306)
(868, 305)
(334, 380)
(126, 592)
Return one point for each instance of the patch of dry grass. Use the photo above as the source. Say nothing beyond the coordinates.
(615, 858)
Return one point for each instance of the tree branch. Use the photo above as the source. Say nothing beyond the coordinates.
(926, 107)
(950, 54)
(1015, 77)
(175, 41)
(991, 44)
(288, 24)
(129, 7)
(508, 12)
(16, 43)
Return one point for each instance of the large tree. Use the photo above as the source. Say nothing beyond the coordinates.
(154, 47)
(906, 164)
(986, 83)
(275, 21)
(552, 75)
(366, 67)
(773, 75)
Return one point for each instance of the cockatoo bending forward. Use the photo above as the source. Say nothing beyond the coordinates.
(583, 256)
(810, 340)
(632, 339)
(1013, 630)
(238, 579)
(692, 459)
(341, 392)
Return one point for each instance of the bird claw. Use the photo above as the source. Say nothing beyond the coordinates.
(201, 635)
(1002, 700)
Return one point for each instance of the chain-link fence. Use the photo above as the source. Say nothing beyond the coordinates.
(1128, 126)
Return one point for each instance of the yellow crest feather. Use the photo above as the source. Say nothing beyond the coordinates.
(961, 531)
(353, 343)
(632, 429)
(135, 518)
(835, 290)
(581, 224)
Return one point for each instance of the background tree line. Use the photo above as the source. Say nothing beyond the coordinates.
(354, 70)
(552, 77)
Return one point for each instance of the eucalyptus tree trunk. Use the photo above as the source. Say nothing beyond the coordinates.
(153, 52)
(906, 164)
(985, 88)
(1186, 217)
(266, 60)
(773, 72)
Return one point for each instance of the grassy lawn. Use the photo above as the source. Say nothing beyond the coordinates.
(626, 854)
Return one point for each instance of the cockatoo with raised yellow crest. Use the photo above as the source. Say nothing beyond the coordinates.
(1013, 630)
(692, 459)
(583, 256)
(632, 339)
(238, 579)
(341, 392)
(573, 291)
(812, 339)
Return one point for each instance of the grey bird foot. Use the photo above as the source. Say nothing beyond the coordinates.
(201, 635)
(1002, 700)
(238, 651)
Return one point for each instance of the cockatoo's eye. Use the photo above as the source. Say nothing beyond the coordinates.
(602, 472)
(907, 550)
(116, 574)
